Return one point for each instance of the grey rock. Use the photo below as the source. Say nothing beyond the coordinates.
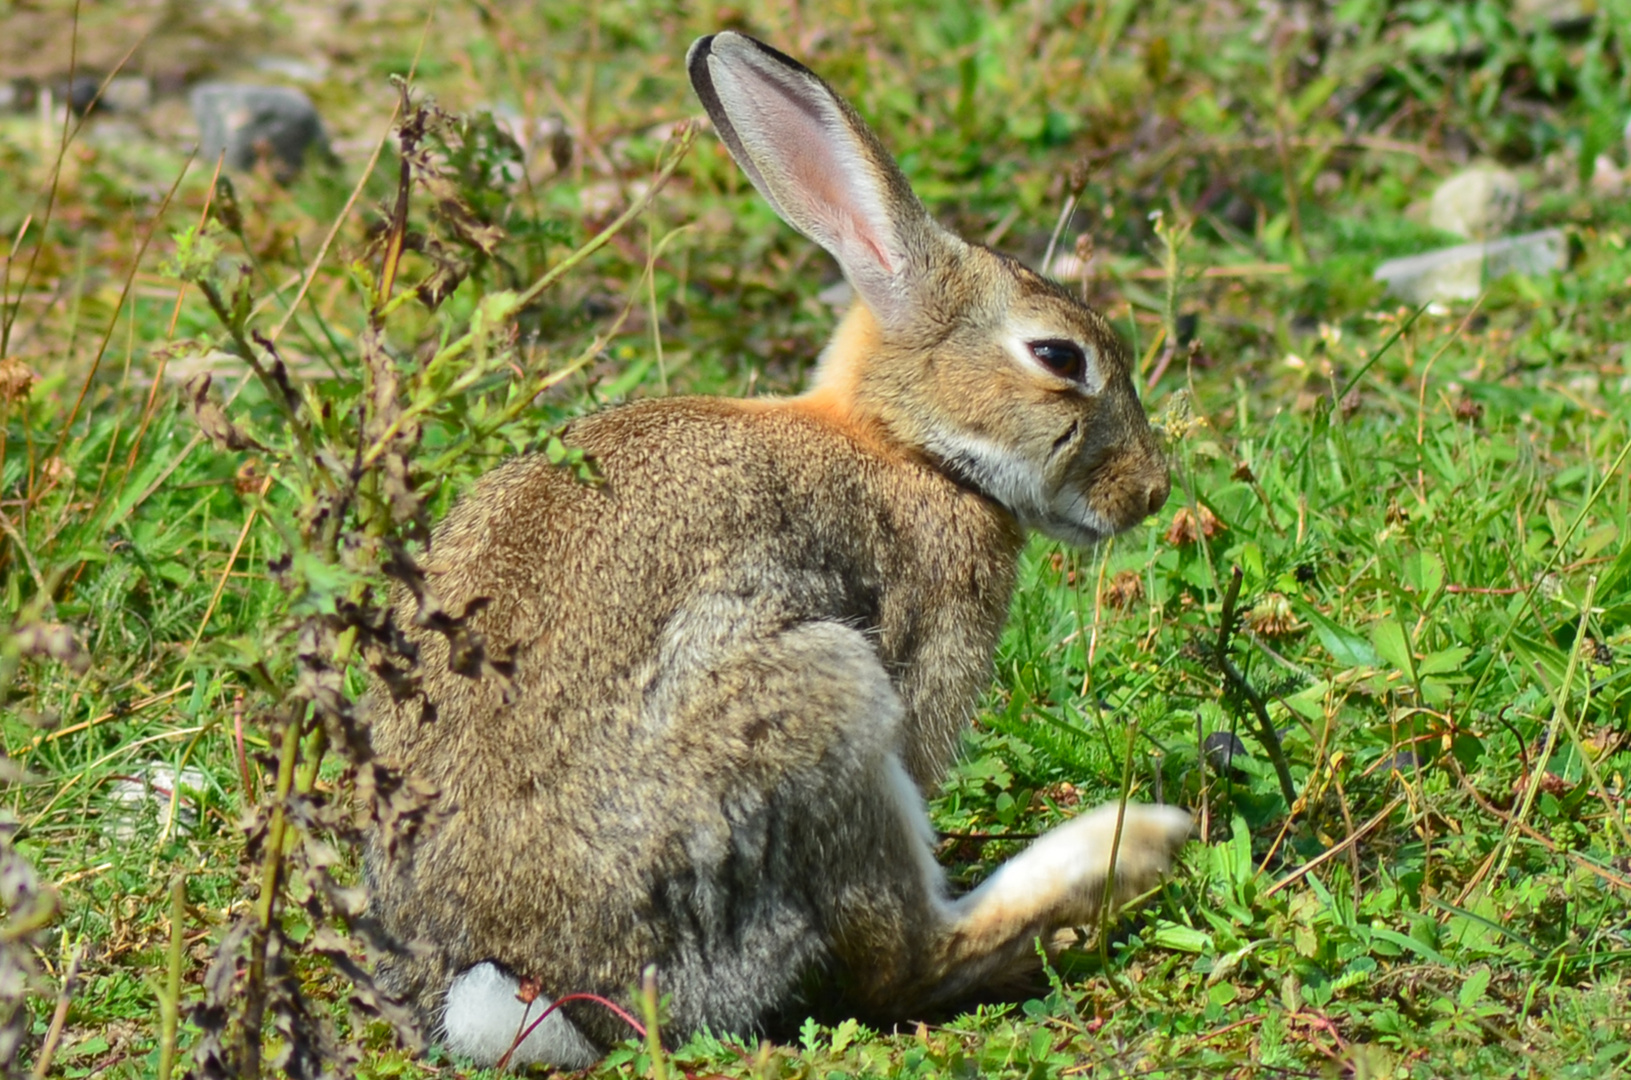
(1461, 272)
(1478, 203)
(246, 122)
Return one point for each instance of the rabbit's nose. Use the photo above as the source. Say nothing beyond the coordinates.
(1155, 495)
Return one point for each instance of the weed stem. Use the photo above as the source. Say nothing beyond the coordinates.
(1232, 675)
(170, 1000)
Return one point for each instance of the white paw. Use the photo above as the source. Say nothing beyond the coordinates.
(483, 1017)
(1066, 868)
(1150, 836)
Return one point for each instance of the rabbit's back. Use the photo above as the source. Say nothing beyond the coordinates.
(705, 504)
(633, 614)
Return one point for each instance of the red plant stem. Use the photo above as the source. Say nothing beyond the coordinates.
(612, 1005)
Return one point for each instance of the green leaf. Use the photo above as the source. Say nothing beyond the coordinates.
(1542, 656)
(1444, 660)
(1359, 970)
(1435, 38)
(1346, 647)
(1309, 702)
(324, 581)
(1251, 561)
(494, 309)
(1313, 96)
(1424, 573)
(1234, 860)
(1388, 637)
(1179, 938)
(1598, 539)
(1405, 941)
(620, 386)
(96, 1044)
(1437, 692)
(1472, 991)
(1227, 964)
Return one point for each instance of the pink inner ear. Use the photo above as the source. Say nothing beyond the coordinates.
(881, 255)
(829, 180)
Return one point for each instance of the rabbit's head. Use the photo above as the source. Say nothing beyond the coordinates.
(955, 352)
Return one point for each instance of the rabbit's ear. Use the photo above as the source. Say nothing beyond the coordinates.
(820, 167)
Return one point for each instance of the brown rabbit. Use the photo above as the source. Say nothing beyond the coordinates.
(741, 661)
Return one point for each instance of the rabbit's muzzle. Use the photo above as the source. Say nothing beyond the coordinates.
(1125, 492)
(1096, 489)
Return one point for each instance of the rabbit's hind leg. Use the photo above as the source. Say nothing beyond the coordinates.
(906, 951)
(1059, 881)
(807, 853)
(1061, 878)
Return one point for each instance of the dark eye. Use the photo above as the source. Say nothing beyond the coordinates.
(1063, 358)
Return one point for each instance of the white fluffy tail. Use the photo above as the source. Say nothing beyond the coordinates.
(484, 1015)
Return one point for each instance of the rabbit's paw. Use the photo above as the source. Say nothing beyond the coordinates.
(1150, 836)
(1060, 879)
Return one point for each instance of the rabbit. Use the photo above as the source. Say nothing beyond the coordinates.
(737, 664)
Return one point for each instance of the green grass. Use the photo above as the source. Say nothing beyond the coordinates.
(1438, 562)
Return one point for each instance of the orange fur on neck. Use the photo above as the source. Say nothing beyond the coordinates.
(838, 376)
(833, 398)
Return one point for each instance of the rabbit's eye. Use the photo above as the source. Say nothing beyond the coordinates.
(1063, 358)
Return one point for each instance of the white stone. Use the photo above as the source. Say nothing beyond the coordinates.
(1463, 271)
(151, 792)
(1477, 203)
